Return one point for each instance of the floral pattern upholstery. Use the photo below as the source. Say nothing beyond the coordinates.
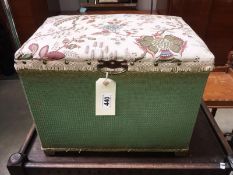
(149, 38)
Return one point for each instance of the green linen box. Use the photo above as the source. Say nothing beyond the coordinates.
(159, 66)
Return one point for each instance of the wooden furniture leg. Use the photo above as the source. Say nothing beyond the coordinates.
(214, 110)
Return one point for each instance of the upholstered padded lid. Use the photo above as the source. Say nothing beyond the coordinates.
(146, 42)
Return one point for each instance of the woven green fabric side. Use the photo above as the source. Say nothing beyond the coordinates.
(153, 110)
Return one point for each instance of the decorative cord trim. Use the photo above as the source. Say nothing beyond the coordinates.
(145, 66)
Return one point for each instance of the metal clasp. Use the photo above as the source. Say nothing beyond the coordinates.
(112, 66)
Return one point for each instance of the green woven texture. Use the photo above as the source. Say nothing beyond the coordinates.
(154, 111)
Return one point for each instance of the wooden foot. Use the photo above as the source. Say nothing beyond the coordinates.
(182, 153)
(49, 152)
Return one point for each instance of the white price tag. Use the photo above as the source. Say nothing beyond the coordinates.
(105, 97)
(222, 166)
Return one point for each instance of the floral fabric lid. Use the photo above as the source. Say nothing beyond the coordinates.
(144, 42)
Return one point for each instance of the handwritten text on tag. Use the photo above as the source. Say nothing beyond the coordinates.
(105, 96)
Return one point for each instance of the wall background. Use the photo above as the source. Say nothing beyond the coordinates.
(53, 6)
(146, 4)
(73, 5)
(69, 5)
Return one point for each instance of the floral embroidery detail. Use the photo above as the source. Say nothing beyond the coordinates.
(63, 20)
(65, 41)
(71, 46)
(176, 44)
(112, 27)
(149, 43)
(166, 46)
(130, 37)
(25, 57)
(43, 51)
(54, 55)
(165, 54)
(33, 48)
(91, 21)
